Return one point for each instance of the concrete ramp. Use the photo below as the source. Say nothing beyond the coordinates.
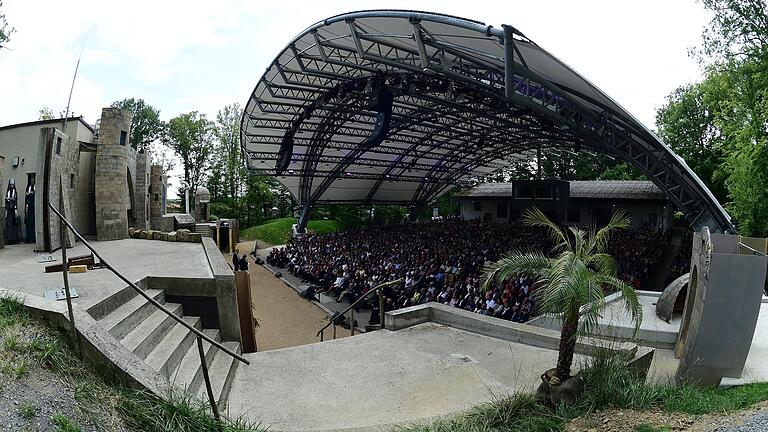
(375, 380)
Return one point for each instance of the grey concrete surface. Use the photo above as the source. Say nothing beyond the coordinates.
(136, 259)
(497, 328)
(384, 377)
(616, 323)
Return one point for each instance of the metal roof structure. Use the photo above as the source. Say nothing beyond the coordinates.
(616, 189)
(590, 189)
(397, 106)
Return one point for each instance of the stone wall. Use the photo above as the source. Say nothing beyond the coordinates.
(142, 190)
(112, 161)
(2, 205)
(157, 191)
(63, 181)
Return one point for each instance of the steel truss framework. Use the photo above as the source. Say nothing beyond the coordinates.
(468, 99)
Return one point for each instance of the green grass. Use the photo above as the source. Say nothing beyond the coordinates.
(64, 424)
(27, 410)
(609, 385)
(27, 342)
(278, 231)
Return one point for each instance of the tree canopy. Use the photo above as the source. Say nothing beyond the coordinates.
(5, 29)
(719, 125)
(146, 126)
(190, 135)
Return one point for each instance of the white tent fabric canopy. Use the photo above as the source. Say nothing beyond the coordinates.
(467, 98)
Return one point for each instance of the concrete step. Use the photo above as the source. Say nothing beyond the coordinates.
(167, 355)
(103, 307)
(145, 337)
(127, 316)
(189, 374)
(222, 372)
(203, 230)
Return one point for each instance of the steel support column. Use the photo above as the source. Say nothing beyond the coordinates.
(301, 226)
(509, 61)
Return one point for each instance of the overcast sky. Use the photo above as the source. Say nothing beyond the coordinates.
(182, 56)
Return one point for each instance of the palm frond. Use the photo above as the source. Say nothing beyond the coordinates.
(619, 220)
(629, 295)
(516, 263)
(535, 217)
(603, 263)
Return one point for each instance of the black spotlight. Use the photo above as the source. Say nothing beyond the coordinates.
(285, 153)
(382, 101)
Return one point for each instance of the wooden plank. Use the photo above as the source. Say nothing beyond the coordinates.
(245, 311)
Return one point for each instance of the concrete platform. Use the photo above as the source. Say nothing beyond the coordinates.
(136, 259)
(655, 332)
(377, 379)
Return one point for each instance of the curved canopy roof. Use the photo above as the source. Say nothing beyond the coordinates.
(399, 106)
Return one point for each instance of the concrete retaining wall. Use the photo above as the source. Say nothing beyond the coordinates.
(496, 328)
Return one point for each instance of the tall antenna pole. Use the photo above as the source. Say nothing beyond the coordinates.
(72, 87)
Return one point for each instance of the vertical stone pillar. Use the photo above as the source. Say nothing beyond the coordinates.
(142, 190)
(112, 194)
(156, 196)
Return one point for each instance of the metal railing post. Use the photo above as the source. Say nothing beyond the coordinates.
(352, 322)
(207, 379)
(381, 308)
(65, 274)
(380, 288)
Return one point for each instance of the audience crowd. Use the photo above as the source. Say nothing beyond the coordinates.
(681, 263)
(440, 261)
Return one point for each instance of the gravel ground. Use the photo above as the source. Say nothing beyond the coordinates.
(744, 422)
(43, 392)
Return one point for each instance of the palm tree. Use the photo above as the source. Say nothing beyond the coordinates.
(570, 285)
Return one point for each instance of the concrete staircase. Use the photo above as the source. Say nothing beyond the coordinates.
(164, 344)
(203, 229)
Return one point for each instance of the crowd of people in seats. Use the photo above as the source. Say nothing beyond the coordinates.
(636, 251)
(438, 261)
(681, 263)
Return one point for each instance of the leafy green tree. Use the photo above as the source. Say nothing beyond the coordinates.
(687, 123)
(5, 29)
(190, 136)
(146, 127)
(739, 30)
(46, 113)
(570, 285)
(259, 198)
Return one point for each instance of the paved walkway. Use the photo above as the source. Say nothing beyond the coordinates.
(370, 381)
(327, 303)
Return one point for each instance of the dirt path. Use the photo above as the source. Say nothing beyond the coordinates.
(285, 319)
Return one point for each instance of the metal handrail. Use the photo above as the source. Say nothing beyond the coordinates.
(199, 334)
(379, 288)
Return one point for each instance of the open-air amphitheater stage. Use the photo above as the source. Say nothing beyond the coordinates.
(431, 361)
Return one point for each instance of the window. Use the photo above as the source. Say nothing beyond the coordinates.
(543, 192)
(58, 146)
(71, 181)
(123, 137)
(477, 206)
(524, 192)
(157, 197)
(574, 214)
(653, 218)
(501, 210)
